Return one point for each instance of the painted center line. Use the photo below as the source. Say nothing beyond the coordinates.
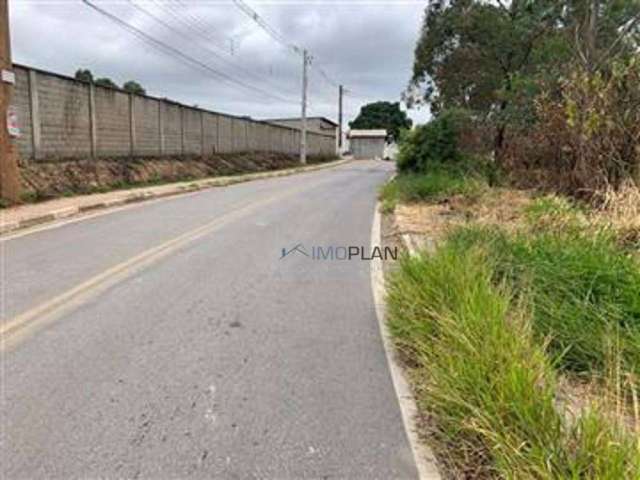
(16, 329)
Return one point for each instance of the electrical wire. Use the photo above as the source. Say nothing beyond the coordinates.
(183, 57)
(272, 32)
(211, 52)
(181, 16)
(277, 36)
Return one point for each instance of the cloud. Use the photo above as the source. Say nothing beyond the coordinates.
(366, 46)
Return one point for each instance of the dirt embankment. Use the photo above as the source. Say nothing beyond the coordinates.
(54, 179)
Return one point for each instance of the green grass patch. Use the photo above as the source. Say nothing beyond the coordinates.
(484, 377)
(433, 186)
(583, 291)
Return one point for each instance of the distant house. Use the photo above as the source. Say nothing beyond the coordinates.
(367, 143)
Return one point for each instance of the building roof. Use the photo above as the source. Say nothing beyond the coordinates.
(299, 119)
(368, 133)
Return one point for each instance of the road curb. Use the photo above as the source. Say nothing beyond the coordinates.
(203, 184)
(423, 456)
(30, 222)
(7, 227)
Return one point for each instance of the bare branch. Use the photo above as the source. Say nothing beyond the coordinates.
(625, 31)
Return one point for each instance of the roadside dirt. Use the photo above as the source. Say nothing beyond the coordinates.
(430, 222)
(47, 180)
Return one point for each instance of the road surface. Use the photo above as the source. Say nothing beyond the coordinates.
(170, 340)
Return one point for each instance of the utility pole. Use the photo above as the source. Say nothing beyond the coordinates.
(9, 174)
(303, 136)
(340, 92)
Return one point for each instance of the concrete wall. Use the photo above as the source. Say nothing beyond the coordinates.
(364, 147)
(146, 125)
(22, 102)
(62, 118)
(112, 123)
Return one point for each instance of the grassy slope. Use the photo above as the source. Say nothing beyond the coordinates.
(435, 186)
(490, 319)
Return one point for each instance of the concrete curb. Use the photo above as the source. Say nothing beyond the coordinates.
(140, 196)
(423, 456)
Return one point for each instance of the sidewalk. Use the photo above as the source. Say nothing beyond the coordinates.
(24, 216)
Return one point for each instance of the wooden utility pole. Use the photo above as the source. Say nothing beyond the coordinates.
(303, 136)
(9, 174)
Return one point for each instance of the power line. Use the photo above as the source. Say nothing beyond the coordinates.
(272, 32)
(205, 25)
(325, 76)
(352, 94)
(188, 37)
(181, 16)
(277, 36)
(189, 60)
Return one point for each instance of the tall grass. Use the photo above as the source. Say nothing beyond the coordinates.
(487, 382)
(436, 185)
(584, 291)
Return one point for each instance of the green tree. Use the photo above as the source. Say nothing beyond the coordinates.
(106, 82)
(493, 58)
(84, 74)
(134, 87)
(480, 56)
(385, 115)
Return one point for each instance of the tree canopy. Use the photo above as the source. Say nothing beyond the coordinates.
(134, 87)
(382, 114)
(492, 58)
(106, 82)
(85, 75)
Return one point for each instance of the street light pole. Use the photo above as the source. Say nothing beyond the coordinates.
(340, 93)
(303, 137)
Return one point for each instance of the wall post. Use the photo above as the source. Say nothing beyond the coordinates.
(36, 133)
(181, 130)
(217, 149)
(93, 136)
(161, 125)
(202, 133)
(132, 127)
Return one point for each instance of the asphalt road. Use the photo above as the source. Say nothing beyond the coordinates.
(170, 340)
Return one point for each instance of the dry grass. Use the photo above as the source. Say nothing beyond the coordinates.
(500, 207)
(617, 211)
(620, 210)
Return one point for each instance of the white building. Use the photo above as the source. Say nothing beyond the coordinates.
(365, 144)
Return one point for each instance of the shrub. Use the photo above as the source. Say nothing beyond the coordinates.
(587, 132)
(428, 145)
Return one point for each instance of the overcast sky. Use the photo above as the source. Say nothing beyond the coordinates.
(367, 46)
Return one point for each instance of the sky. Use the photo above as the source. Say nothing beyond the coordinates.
(212, 54)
